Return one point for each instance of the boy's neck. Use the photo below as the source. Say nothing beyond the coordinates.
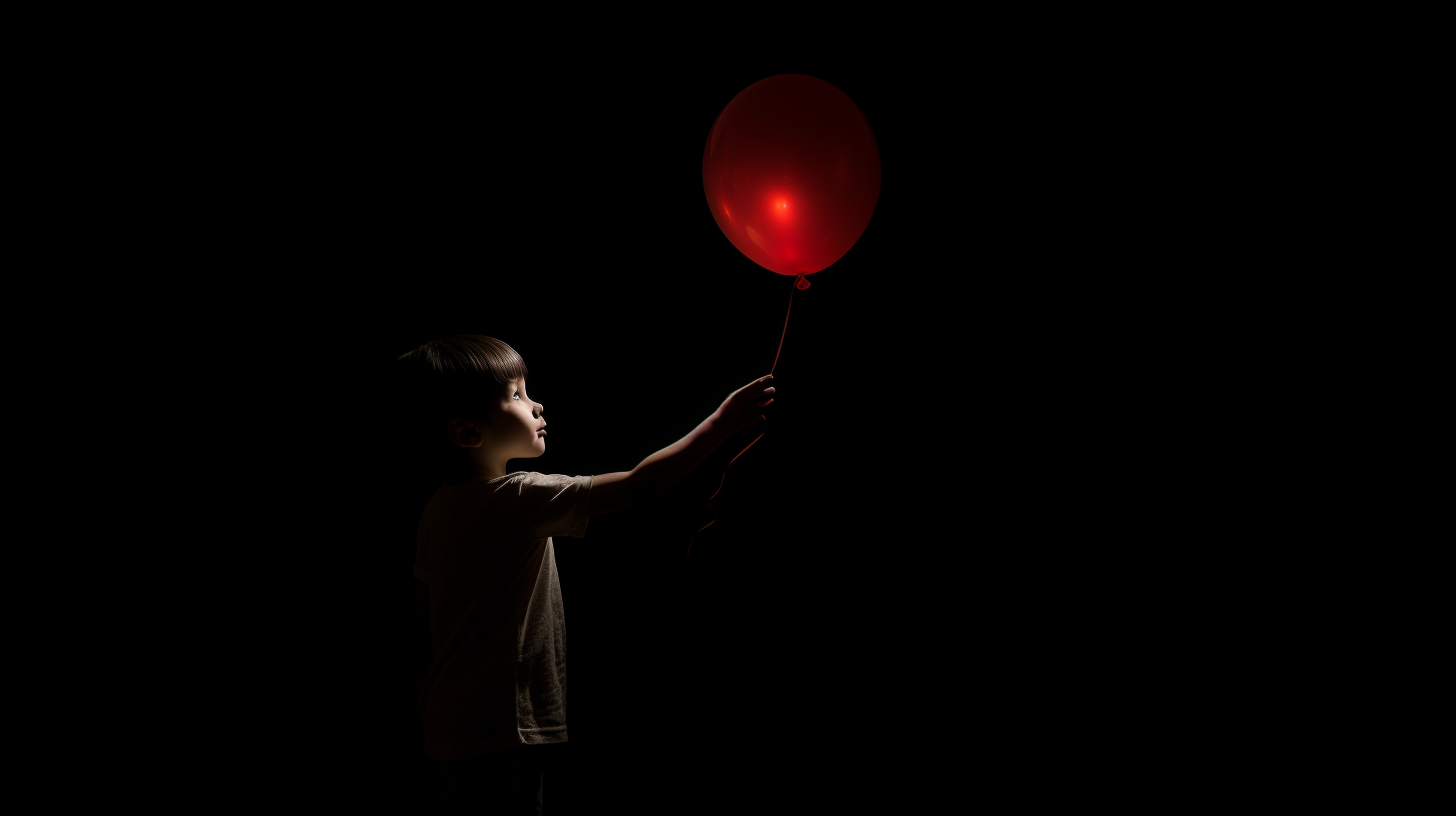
(471, 470)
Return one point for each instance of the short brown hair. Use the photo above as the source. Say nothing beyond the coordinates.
(450, 377)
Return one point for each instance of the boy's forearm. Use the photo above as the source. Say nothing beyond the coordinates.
(668, 466)
(613, 491)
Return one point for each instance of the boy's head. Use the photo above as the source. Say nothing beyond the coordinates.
(469, 404)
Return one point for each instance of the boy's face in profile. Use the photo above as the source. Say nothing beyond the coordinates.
(513, 428)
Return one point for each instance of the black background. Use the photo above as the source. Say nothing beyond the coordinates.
(1014, 537)
(912, 576)
(927, 579)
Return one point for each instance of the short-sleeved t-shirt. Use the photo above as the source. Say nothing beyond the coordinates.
(497, 626)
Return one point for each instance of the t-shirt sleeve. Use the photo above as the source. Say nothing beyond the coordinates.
(554, 505)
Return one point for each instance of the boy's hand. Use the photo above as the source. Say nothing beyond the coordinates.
(744, 407)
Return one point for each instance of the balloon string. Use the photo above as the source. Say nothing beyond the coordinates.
(785, 331)
(724, 477)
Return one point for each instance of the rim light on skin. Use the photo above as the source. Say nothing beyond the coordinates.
(520, 425)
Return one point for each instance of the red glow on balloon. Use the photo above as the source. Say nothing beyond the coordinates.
(781, 210)
(796, 159)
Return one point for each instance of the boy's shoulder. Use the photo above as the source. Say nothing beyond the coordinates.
(520, 506)
(555, 481)
(534, 477)
(521, 479)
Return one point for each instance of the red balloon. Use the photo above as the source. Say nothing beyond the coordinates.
(792, 173)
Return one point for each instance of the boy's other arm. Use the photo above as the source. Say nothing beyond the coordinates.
(616, 491)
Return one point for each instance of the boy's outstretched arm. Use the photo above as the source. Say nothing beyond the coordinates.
(616, 491)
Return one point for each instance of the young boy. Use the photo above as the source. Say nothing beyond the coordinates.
(494, 700)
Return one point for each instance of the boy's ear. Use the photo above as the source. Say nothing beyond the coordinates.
(463, 433)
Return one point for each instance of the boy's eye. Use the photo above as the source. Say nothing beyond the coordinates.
(516, 395)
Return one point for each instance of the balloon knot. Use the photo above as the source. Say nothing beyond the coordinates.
(801, 282)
